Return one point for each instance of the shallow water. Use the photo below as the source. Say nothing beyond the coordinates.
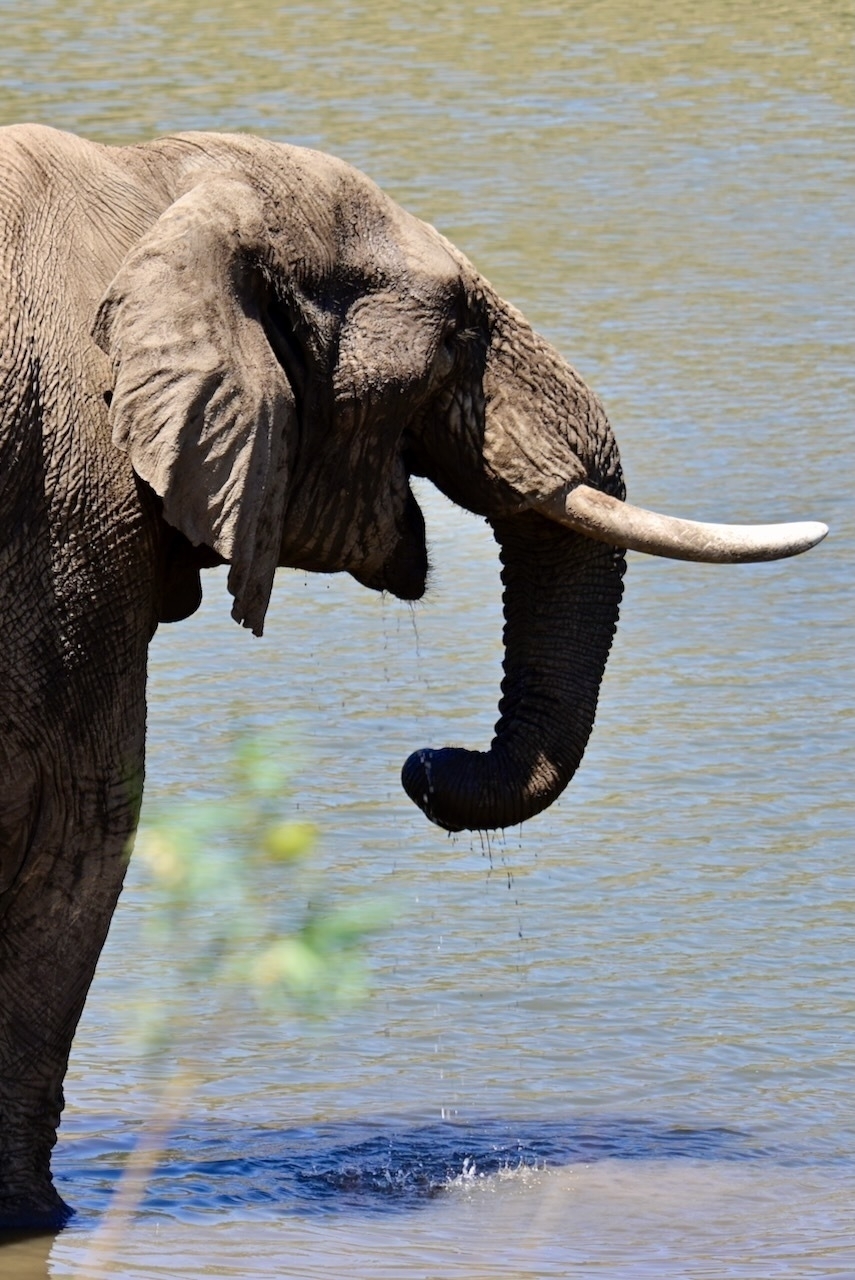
(621, 1039)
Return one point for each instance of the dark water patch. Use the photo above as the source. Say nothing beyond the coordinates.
(409, 1167)
(372, 1166)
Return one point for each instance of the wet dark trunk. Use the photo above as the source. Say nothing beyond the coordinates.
(561, 599)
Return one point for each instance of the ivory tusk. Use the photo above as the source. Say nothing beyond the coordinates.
(607, 519)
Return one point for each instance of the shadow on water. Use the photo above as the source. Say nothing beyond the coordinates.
(368, 1167)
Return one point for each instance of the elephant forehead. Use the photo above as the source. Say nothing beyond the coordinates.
(336, 216)
(388, 244)
(426, 253)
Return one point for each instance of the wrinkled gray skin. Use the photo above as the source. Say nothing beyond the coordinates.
(216, 348)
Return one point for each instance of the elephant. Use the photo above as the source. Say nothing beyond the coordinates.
(218, 349)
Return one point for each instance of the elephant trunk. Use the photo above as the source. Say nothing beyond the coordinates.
(561, 596)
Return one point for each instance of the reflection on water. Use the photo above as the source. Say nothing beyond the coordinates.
(667, 196)
(367, 1166)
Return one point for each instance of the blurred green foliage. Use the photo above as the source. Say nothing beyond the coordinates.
(237, 901)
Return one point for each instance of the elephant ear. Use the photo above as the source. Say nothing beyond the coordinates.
(201, 406)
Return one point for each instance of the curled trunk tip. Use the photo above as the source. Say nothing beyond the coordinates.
(418, 780)
(463, 790)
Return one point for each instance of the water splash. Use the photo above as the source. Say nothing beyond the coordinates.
(372, 1166)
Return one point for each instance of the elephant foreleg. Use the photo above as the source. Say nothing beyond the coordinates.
(55, 911)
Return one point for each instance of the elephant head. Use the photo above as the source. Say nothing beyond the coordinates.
(289, 347)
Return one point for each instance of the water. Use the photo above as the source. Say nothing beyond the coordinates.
(620, 1040)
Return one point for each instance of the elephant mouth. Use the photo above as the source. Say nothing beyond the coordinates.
(404, 571)
(405, 582)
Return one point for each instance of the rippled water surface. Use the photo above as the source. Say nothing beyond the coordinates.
(619, 1041)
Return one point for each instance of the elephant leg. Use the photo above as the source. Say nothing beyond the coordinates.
(55, 912)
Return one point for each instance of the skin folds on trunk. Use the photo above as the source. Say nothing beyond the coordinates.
(561, 598)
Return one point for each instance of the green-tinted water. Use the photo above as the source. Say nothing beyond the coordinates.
(666, 191)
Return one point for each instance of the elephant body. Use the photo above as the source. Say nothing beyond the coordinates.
(218, 349)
